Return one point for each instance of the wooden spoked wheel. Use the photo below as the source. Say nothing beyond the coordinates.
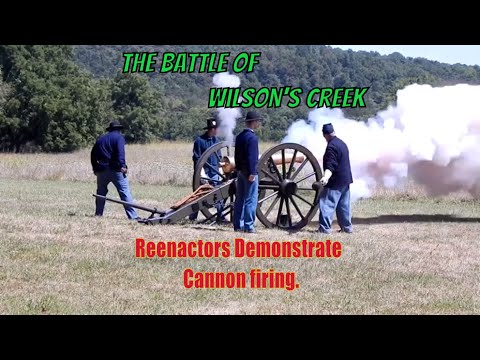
(217, 152)
(288, 196)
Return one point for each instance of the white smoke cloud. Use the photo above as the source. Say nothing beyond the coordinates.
(431, 135)
(228, 117)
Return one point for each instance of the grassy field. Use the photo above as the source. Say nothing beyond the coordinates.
(410, 254)
(167, 163)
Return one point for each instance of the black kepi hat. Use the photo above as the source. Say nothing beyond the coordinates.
(114, 125)
(252, 116)
(212, 123)
(327, 129)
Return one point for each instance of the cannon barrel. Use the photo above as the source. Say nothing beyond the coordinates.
(228, 162)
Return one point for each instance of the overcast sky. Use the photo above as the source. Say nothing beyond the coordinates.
(451, 54)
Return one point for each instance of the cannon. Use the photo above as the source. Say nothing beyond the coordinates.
(289, 188)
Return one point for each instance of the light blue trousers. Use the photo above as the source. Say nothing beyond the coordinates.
(121, 183)
(246, 199)
(331, 200)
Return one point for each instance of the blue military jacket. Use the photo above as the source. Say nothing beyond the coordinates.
(337, 160)
(108, 152)
(201, 144)
(246, 152)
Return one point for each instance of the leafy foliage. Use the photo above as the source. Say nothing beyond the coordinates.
(59, 98)
(54, 105)
(136, 104)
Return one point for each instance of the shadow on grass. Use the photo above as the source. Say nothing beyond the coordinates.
(211, 227)
(393, 219)
(414, 218)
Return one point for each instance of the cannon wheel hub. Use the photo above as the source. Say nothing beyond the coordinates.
(288, 187)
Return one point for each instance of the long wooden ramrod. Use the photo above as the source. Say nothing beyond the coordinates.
(136, 206)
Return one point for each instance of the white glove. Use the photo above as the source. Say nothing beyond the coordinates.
(326, 177)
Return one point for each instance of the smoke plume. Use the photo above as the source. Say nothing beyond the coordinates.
(228, 117)
(431, 135)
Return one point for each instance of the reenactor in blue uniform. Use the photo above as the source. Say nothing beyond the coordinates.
(336, 181)
(108, 163)
(246, 162)
(203, 143)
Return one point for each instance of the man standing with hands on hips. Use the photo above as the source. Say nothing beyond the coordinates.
(246, 162)
(336, 181)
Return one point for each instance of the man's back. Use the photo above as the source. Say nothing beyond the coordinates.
(109, 152)
(246, 152)
(337, 160)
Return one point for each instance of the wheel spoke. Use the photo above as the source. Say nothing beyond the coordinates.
(305, 201)
(232, 202)
(276, 169)
(305, 177)
(288, 212)
(299, 169)
(271, 206)
(268, 187)
(268, 197)
(225, 202)
(279, 212)
(297, 208)
(211, 167)
(290, 168)
(305, 189)
(227, 212)
(284, 169)
(270, 176)
(215, 213)
(210, 179)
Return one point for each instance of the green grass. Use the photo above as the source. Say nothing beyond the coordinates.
(407, 256)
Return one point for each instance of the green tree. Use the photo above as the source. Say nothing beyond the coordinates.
(55, 105)
(59, 98)
(138, 107)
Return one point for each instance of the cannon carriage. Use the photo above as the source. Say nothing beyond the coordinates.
(289, 188)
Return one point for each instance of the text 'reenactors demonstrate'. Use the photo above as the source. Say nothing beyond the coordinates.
(236, 97)
(255, 278)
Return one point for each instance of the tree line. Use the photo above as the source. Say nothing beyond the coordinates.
(59, 98)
